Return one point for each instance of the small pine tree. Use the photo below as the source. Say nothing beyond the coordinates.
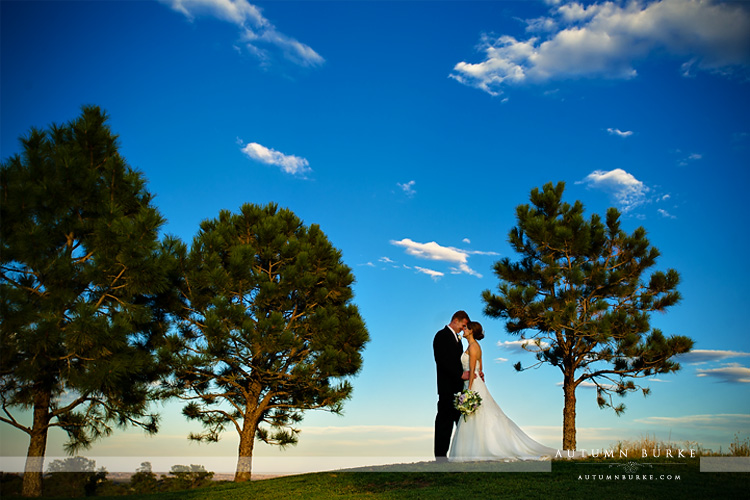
(268, 329)
(579, 289)
(81, 271)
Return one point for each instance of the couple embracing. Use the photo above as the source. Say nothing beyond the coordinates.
(486, 434)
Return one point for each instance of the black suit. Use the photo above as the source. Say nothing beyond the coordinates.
(447, 351)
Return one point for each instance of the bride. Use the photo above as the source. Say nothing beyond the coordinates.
(488, 434)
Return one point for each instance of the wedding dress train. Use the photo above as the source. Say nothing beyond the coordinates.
(488, 434)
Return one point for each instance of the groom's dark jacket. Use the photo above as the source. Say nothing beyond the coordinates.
(448, 362)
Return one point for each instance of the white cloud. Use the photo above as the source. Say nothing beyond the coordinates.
(479, 252)
(366, 429)
(628, 191)
(386, 260)
(436, 275)
(289, 164)
(697, 356)
(408, 188)
(540, 24)
(590, 385)
(433, 251)
(619, 133)
(255, 30)
(467, 241)
(721, 420)
(690, 158)
(608, 40)
(234, 11)
(501, 64)
(731, 372)
(574, 12)
(665, 214)
(524, 345)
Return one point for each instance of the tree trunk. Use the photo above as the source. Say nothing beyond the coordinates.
(569, 411)
(32, 474)
(244, 470)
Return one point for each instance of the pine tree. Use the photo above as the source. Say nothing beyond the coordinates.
(80, 269)
(578, 289)
(269, 329)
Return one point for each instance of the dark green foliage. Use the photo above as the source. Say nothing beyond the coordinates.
(144, 480)
(184, 477)
(188, 477)
(78, 477)
(268, 328)
(81, 282)
(579, 290)
(72, 464)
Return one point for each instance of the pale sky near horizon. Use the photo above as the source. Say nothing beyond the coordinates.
(410, 131)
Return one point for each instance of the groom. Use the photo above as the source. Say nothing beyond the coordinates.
(447, 349)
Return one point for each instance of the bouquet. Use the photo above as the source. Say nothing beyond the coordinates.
(467, 402)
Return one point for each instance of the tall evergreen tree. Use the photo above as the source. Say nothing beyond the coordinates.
(80, 269)
(269, 328)
(579, 290)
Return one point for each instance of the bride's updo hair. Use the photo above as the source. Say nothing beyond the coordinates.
(476, 330)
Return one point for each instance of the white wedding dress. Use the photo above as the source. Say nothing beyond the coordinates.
(488, 434)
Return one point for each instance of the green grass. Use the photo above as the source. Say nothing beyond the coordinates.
(428, 483)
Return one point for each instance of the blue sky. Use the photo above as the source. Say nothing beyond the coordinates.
(410, 131)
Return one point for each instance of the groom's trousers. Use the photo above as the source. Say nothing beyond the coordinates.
(447, 417)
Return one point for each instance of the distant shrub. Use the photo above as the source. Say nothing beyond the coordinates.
(78, 477)
(634, 448)
(188, 477)
(144, 480)
(739, 448)
(73, 477)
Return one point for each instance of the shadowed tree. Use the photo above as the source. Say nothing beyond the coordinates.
(144, 480)
(73, 476)
(580, 290)
(80, 270)
(269, 329)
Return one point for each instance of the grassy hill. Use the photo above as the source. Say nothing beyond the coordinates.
(579, 479)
